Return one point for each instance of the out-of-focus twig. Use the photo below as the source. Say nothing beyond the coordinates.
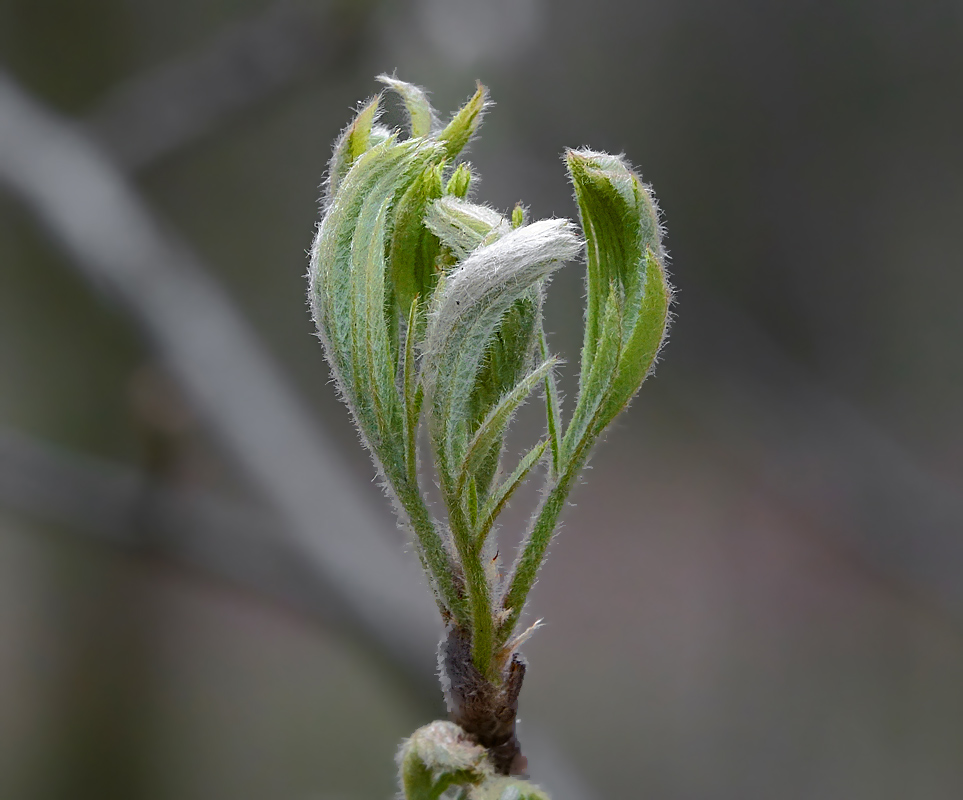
(173, 105)
(123, 508)
(106, 231)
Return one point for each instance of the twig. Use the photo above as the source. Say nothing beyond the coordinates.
(127, 510)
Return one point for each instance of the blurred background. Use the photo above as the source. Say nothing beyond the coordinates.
(758, 592)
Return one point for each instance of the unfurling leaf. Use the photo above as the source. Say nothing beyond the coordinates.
(421, 116)
(457, 133)
(627, 313)
(463, 227)
(438, 756)
(625, 264)
(491, 431)
(414, 248)
(353, 142)
(441, 756)
(460, 182)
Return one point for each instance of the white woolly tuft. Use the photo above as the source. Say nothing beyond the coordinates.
(522, 256)
(463, 226)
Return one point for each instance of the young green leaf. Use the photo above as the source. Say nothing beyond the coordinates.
(624, 250)
(460, 182)
(627, 310)
(421, 116)
(466, 309)
(595, 388)
(492, 429)
(374, 375)
(553, 409)
(414, 248)
(411, 391)
(351, 144)
(642, 348)
(348, 298)
(621, 223)
(499, 497)
(519, 216)
(457, 133)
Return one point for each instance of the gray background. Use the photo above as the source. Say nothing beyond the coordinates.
(759, 590)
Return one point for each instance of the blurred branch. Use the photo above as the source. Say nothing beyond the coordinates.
(105, 230)
(126, 509)
(166, 108)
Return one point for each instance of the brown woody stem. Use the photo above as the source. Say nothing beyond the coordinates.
(484, 710)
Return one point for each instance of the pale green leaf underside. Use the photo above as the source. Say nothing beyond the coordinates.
(465, 311)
